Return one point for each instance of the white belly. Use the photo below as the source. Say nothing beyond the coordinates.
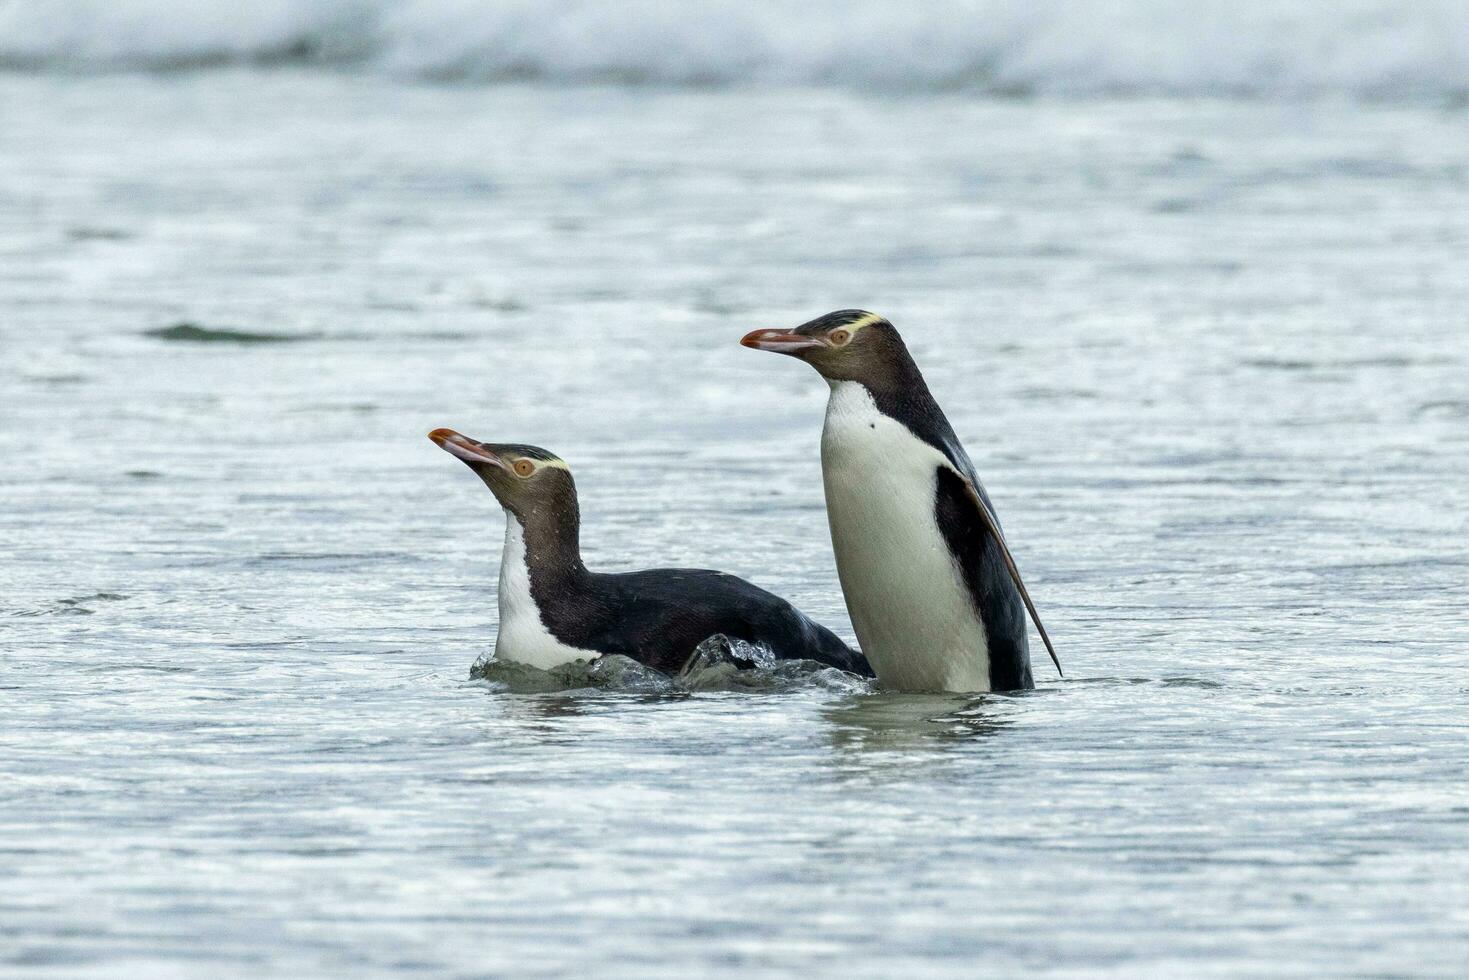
(905, 592)
(523, 636)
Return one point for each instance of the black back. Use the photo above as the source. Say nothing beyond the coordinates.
(994, 594)
(658, 617)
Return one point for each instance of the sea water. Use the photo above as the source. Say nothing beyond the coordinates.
(1209, 355)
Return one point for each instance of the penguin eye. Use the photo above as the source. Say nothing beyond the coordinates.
(524, 467)
(839, 337)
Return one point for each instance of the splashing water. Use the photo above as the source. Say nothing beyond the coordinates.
(720, 663)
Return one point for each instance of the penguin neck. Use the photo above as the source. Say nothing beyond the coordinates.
(900, 393)
(547, 549)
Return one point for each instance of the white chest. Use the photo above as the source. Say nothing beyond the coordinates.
(905, 593)
(523, 635)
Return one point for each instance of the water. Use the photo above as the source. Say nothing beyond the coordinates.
(1364, 48)
(1208, 355)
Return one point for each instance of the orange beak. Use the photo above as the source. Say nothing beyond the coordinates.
(463, 447)
(780, 341)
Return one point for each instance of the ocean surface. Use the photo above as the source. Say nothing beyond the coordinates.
(1209, 354)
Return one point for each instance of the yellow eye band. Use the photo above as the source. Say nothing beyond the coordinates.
(865, 321)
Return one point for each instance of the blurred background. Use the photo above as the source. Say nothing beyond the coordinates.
(1188, 278)
(1363, 48)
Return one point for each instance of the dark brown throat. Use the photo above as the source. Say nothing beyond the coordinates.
(551, 522)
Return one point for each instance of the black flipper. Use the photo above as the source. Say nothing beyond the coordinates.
(993, 527)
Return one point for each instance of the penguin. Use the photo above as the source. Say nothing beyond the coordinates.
(554, 610)
(935, 597)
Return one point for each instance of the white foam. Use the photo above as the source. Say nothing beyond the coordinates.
(1386, 48)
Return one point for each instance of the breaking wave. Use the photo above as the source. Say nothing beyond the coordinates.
(1358, 48)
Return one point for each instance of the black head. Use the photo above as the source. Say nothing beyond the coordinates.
(529, 482)
(848, 345)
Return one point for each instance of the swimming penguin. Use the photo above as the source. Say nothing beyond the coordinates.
(932, 589)
(553, 610)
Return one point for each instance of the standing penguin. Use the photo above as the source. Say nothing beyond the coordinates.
(930, 584)
(553, 610)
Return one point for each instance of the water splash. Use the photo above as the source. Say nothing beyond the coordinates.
(720, 663)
